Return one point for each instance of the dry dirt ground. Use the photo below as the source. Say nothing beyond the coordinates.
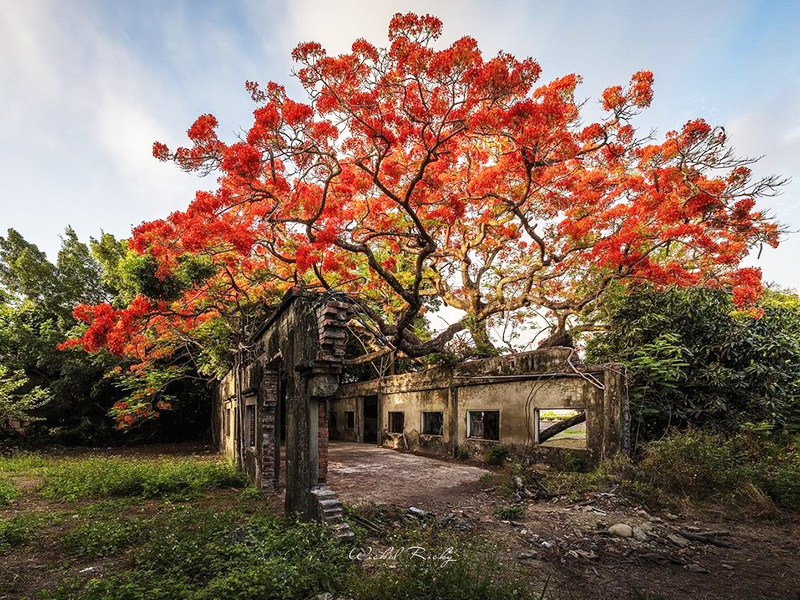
(568, 540)
(365, 474)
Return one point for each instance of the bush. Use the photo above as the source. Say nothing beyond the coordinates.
(496, 455)
(96, 477)
(703, 466)
(694, 361)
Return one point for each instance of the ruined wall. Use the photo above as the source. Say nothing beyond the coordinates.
(505, 392)
(297, 355)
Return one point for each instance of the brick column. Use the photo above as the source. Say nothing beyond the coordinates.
(270, 450)
(322, 446)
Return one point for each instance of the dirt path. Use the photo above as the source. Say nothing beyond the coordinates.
(364, 474)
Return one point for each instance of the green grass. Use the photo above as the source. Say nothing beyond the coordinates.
(69, 480)
(8, 491)
(475, 572)
(510, 513)
(21, 463)
(103, 537)
(189, 552)
(225, 545)
(20, 529)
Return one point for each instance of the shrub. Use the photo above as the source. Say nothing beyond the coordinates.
(746, 470)
(177, 479)
(703, 466)
(496, 455)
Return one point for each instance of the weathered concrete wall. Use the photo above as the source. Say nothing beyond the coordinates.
(514, 386)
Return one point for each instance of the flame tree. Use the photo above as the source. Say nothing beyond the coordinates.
(416, 176)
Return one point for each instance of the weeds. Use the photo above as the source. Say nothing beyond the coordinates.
(108, 477)
(424, 572)
(700, 468)
(18, 530)
(102, 538)
(510, 513)
(8, 491)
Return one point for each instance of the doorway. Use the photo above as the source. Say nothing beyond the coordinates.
(370, 419)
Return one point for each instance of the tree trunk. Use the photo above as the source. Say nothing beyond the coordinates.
(561, 426)
(483, 343)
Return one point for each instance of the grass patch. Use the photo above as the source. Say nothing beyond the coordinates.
(201, 553)
(423, 572)
(21, 463)
(8, 491)
(70, 480)
(104, 537)
(510, 513)
(19, 530)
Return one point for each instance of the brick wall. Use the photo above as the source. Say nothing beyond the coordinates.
(322, 459)
(268, 404)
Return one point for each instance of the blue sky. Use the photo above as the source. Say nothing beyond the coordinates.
(87, 87)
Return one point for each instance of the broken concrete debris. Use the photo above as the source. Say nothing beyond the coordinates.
(621, 530)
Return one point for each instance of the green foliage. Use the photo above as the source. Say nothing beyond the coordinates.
(746, 471)
(103, 537)
(693, 360)
(510, 513)
(496, 455)
(704, 466)
(17, 399)
(8, 491)
(20, 529)
(474, 574)
(197, 553)
(21, 462)
(97, 477)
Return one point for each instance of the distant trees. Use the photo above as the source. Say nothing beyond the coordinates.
(66, 395)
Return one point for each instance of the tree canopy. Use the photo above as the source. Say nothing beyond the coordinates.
(417, 176)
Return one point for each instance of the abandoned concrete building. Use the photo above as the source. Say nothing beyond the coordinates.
(285, 404)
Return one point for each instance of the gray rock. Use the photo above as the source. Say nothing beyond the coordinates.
(678, 540)
(417, 512)
(530, 555)
(639, 534)
(696, 568)
(621, 530)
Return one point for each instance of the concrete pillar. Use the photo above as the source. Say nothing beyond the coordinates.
(613, 411)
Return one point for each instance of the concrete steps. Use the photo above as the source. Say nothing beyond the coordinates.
(331, 512)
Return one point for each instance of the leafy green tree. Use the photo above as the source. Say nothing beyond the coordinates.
(694, 360)
(17, 399)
